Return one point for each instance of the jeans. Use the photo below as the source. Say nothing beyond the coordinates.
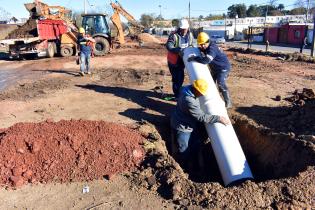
(177, 72)
(220, 78)
(188, 143)
(85, 62)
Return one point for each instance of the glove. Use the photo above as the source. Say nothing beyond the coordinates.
(192, 58)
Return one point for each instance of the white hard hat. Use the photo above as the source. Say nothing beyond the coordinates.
(183, 24)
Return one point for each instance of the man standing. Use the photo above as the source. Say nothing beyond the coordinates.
(188, 117)
(85, 44)
(175, 45)
(218, 62)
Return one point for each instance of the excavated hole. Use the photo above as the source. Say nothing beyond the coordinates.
(270, 155)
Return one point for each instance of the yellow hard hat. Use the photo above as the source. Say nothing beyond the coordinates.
(81, 30)
(201, 86)
(202, 38)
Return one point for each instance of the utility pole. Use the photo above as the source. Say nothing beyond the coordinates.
(160, 6)
(308, 9)
(84, 6)
(189, 11)
(313, 42)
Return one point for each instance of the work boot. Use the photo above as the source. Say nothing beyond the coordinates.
(227, 99)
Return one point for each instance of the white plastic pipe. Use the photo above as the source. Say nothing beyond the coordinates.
(227, 149)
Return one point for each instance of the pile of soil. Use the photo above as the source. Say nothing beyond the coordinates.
(64, 151)
(296, 118)
(301, 97)
(36, 89)
(148, 38)
(5, 29)
(28, 30)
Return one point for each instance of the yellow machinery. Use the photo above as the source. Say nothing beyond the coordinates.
(137, 28)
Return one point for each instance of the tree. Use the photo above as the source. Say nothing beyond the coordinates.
(146, 20)
(253, 11)
(298, 11)
(237, 9)
(14, 19)
(275, 13)
(175, 22)
(280, 7)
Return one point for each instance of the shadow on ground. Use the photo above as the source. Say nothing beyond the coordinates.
(148, 100)
(298, 120)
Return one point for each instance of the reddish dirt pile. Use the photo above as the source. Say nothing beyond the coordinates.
(66, 151)
(145, 37)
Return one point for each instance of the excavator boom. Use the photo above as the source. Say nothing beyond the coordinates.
(118, 9)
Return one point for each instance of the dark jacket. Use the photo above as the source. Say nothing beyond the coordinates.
(215, 57)
(188, 112)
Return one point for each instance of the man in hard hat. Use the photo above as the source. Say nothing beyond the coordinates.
(218, 62)
(175, 45)
(188, 118)
(85, 44)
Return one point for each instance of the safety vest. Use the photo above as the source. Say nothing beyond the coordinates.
(173, 57)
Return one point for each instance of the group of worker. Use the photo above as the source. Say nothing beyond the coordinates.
(188, 117)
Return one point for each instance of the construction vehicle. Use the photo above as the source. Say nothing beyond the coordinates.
(133, 31)
(97, 26)
(47, 32)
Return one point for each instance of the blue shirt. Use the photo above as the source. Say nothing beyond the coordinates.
(84, 48)
(188, 112)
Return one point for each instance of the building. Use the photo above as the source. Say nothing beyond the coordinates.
(236, 26)
(290, 33)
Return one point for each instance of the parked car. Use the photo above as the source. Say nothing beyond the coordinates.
(217, 39)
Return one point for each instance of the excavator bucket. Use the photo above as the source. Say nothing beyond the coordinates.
(33, 9)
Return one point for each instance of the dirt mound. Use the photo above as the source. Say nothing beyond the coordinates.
(300, 97)
(28, 30)
(145, 37)
(33, 90)
(66, 151)
(5, 29)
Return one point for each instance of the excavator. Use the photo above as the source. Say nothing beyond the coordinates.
(97, 26)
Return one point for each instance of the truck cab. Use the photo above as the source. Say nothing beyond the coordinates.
(97, 26)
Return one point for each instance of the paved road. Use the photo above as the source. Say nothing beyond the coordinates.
(272, 48)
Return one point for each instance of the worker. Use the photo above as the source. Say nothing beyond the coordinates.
(85, 43)
(188, 117)
(175, 45)
(304, 44)
(218, 62)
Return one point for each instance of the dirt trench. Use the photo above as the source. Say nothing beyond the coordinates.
(281, 158)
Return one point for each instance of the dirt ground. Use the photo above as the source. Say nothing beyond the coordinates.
(126, 89)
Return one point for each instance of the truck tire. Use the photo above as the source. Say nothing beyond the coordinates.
(66, 51)
(50, 50)
(101, 46)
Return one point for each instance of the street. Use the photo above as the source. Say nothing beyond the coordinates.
(284, 49)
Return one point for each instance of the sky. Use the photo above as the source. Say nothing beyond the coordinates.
(169, 9)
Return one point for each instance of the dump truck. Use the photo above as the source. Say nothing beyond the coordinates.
(46, 33)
